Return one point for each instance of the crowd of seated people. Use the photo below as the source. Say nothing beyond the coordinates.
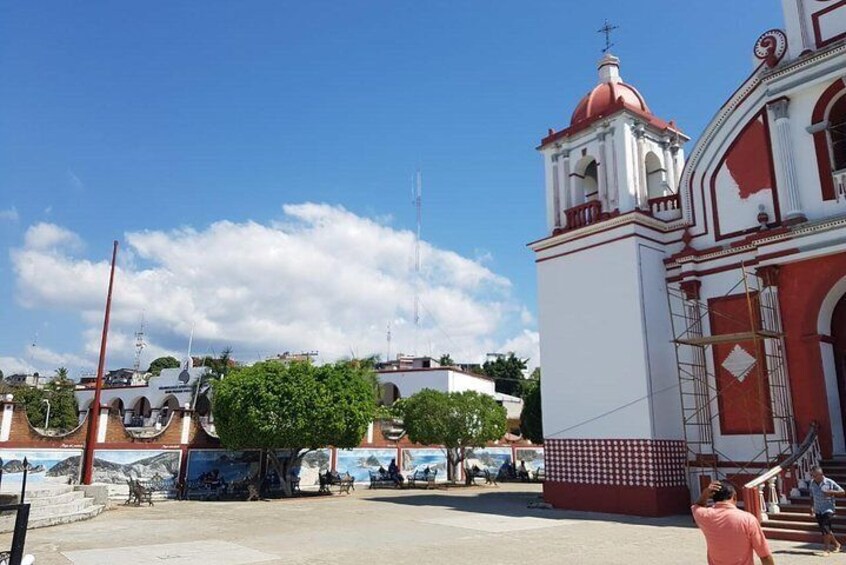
(508, 471)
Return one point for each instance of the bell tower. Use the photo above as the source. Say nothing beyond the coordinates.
(613, 158)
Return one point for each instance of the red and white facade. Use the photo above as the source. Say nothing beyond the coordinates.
(763, 189)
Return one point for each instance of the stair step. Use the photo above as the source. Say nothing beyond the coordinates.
(791, 535)
(63, 498)
(802, 526)
(40, 491)
(803, 517)
(86, 514)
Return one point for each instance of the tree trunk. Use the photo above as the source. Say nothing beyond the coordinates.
(283, 468)
(454, 458)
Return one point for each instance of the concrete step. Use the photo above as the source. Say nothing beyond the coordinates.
(791, 535)
(86, 514)
(802, 526)
(803, 516)
(62, 498)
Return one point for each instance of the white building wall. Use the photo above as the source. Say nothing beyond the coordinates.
(665, 400)
(443, 380)
(592, 344)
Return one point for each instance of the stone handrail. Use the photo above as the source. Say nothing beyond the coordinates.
(583, 215)
(664, 203)
(761, 495)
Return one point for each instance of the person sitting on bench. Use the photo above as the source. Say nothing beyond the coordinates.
(394, 473)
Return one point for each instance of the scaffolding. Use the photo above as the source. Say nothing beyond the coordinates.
(761, 326)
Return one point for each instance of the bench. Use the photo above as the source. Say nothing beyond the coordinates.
(539, 475)
(273, 484)
(426, 476)
(329, 479)
(197, 489)
(382, 480)
(473, 474)
(138, 493)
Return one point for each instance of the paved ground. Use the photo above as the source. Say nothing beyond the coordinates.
(488, 525)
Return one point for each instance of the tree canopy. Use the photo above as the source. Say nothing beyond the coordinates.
(163, 363)
(531, 420)
(508, 372)
(456, 420)
(292, 408)
(59, 392)
(446, 360)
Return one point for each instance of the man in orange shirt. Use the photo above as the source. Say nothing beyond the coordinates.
(731, 534)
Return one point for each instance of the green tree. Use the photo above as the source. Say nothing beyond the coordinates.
(508, 373)
(456, 420)
(290, 409)
(59, 392)
(163, 363)
(446, 360)
(531, 419)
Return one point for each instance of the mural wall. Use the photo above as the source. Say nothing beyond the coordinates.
(231, 468)
(114, 466)
(419, 459)
(531, 456)
(359, 462)
(45, 466)
(489, 458)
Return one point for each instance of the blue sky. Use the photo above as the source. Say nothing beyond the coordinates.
(145, 118)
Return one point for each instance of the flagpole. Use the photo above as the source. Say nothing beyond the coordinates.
(94, 411)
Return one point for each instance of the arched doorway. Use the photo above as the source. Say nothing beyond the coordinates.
(838, 346)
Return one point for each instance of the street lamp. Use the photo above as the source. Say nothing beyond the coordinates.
(47, 419)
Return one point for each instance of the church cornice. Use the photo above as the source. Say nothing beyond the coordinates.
(636, 218)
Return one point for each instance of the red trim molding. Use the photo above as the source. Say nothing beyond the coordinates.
(815, 20)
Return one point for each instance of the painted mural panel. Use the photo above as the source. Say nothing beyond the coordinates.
(419, 459)
(359, 462)
(531, 456)
(311, 466)
(115, 466)
(59, 466)
(743, 184)
(228, 467)
(488, 458)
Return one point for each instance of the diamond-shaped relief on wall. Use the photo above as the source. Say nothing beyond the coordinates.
(739, 363)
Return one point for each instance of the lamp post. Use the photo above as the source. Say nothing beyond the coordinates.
(47, 419)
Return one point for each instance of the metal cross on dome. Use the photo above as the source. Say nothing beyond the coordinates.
(607, 29)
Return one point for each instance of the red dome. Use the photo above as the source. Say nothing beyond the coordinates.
(606, 98)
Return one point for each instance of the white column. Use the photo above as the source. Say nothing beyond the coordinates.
(556, 191)
(670, 166)
(640, 169)
(186, 425)
(602, 173)
(564, 185)
(789, 193)
(103, 425)
(610, 170)
(6, 424)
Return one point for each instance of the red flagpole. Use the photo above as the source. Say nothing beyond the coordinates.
(94, 412)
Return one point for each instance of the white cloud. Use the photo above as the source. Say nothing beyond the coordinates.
(9, 215)
(45, 236)
(321, 278)
(15, 365)
(526, 346)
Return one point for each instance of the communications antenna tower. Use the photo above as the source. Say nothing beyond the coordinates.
(139, 345)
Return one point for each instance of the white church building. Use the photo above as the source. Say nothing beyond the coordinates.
(691, 296)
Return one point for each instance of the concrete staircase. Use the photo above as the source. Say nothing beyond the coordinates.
(52, 505)
(795, 523)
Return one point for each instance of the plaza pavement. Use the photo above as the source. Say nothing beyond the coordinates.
(489, 525)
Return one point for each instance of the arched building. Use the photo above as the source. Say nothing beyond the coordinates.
(692, 311)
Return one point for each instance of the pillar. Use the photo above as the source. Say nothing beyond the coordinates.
(640, 170)
(783, 145)
(103, 424)
(602, 172)
(8, 413)
(556, 192)
(670, 165)
(187, 415)
(606, 154)
(564, 186)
